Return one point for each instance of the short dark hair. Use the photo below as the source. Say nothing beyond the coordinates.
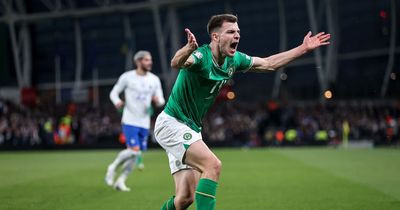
(216, 21)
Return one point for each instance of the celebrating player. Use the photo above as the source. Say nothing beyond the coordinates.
(141, 88)
(203, 71)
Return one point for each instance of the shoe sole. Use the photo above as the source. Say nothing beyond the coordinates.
(119, 189)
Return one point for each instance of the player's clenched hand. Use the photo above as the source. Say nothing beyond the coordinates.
(192, 43)
(154, 99)
(312, 42)
(119, 105)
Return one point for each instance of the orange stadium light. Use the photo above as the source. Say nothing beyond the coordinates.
(328, 94)
(230, 95)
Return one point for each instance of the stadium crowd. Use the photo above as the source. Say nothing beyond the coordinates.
(228, 124)
(304, 123)
(22, 126)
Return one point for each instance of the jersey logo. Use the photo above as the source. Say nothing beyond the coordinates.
(230, 71)
(198, 54)
(177, 163)
(187, 136)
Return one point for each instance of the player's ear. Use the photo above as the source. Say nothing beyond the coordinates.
(214, 36)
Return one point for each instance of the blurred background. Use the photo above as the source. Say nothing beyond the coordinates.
(60, 58)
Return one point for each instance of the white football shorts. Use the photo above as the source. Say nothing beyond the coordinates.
(175, 137)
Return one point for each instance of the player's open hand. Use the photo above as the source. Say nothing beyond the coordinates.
(192, 43)
(312, 42)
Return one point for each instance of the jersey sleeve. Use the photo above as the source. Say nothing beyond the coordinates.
(159, 93)
(198, 57)
(117, 89)
(244, 62)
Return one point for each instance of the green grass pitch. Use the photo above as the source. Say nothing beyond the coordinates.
(305, 178)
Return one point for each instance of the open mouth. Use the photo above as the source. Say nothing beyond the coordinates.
(234, 45)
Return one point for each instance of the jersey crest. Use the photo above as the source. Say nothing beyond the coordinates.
(231, 70)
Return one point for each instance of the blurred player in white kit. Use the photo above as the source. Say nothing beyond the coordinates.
(141, 88)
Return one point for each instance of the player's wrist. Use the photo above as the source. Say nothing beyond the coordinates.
(303, 49)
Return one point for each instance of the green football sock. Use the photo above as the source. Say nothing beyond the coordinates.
(169, 204)
(139, 159)
(205, 194)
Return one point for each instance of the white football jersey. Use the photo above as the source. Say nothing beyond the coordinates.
(139, 91)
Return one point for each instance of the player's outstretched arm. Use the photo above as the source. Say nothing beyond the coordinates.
(276, 61)
(182, 57)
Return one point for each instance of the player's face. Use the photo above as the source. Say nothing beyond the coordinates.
(229, 36)
(146, 63)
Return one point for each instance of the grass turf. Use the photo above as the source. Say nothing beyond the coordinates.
(305, 178)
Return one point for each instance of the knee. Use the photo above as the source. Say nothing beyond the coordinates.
(217, 166)
(183, 202)
(214, 166)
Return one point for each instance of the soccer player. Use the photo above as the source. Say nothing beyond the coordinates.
(141, 88)
(203, 71)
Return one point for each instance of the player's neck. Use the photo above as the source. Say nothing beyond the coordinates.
(218, 57)
(141, 72)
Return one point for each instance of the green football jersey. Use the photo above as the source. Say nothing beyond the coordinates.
(197, 86)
